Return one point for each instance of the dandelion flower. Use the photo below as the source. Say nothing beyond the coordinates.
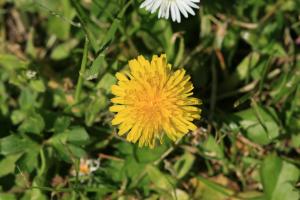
(173, 7)
(152, 100)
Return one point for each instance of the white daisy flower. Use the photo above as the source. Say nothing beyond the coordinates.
(175, 7)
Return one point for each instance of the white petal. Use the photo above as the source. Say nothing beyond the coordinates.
(173, 12)
(182, 8)
(146, 3)
(171, 7)
(156, 5)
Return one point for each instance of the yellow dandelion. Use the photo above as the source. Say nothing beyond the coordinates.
(151, 100)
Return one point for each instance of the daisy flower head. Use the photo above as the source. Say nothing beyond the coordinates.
(151, 100)
(171, 7)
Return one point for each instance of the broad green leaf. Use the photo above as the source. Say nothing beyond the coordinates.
(34, 194)
(12, 144)
(27, 99)
(32, 124)
(106, 82)
(76, 151)
(93, 110)
(67, 144)
(38, 85)
(146, 155)
(6, 196)
(77, 135)
(258, 124)
(160, 180)
(132, 168)
(296, 140)
(62, 149)
(11, 62)
(29, 161)
(61, 124)
(7, 165)
(209, 190)
(18, 116)
(59, 24)
(67, 151)
(279, 178)
(63, 50)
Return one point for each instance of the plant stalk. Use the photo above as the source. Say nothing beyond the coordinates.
(82, 70)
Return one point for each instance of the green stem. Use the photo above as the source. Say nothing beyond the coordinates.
(84, 20)
(77, 168)
(43, 162)
(82, 70)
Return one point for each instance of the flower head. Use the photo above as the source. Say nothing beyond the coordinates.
(173, 7)
(151, 100)
(87, 167)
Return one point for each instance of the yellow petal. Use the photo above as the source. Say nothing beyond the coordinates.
(117, 90)
(117, 108)
(124, 128)
(121, 76)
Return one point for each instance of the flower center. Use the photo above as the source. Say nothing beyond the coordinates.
(150, 107)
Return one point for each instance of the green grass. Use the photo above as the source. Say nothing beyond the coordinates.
(57, 64)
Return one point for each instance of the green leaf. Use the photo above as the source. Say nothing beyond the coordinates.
(98, 65)
(11, 62)
(184, 164)
(7, 165)
(77, 135)
(109, 36)
(6, 196)
(209, 190)
(133, 168)
(93, 110)
(76, 151)
(63, 50)
(59, 24)
(34, 194)
(296, 140)
(67, 144)
(33, 124)
(12, 144)
(259, 124)
(160, 180)
(213, 148)
(106, 82)
(27, 99)
(18, 116)
(147, 155)
(62, 149)
(279, 178)
(29, 161)
(38, 85)
(61, 124)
